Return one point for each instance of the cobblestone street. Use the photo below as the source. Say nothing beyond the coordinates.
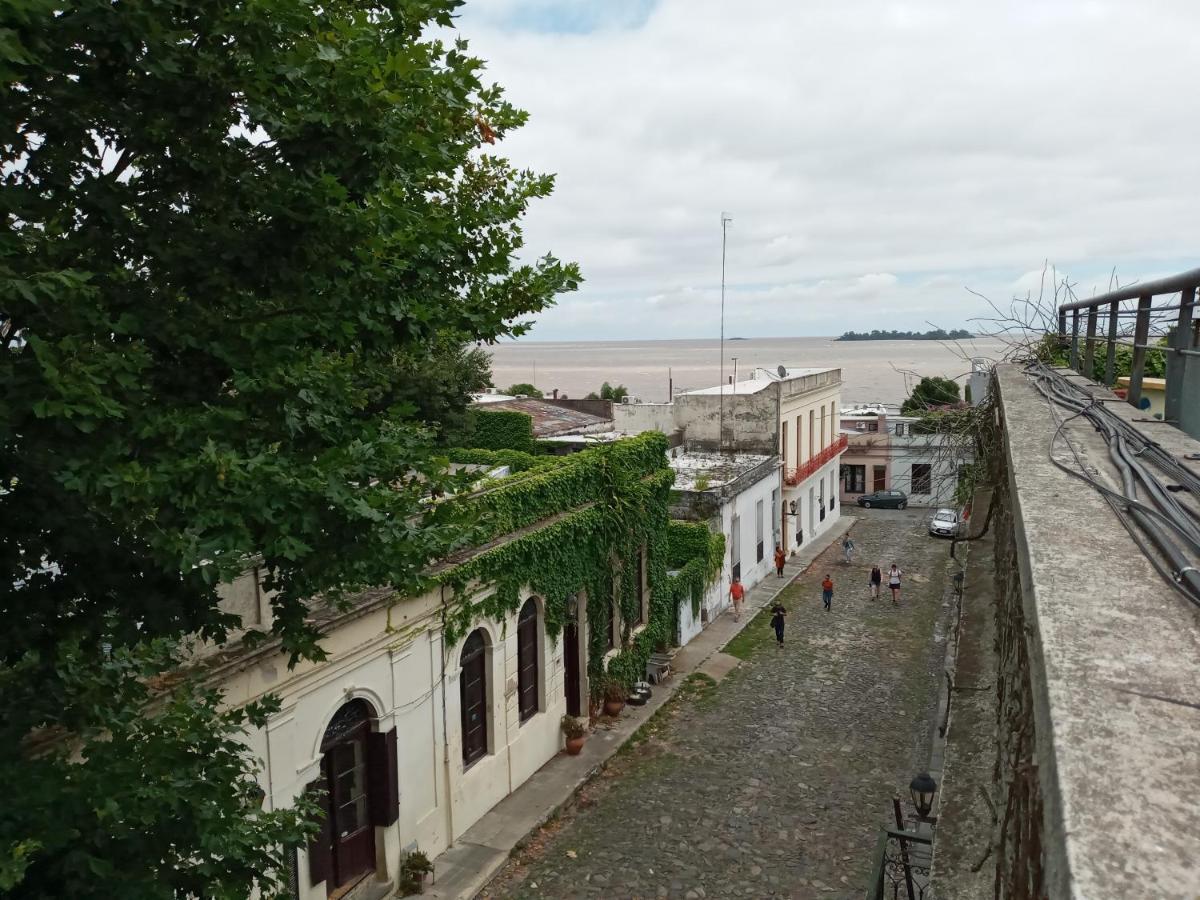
(774, 782)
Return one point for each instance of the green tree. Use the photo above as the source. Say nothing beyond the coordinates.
(439, 382)
(930, 392)
(616, 394)
(524, 388)
(230, 233)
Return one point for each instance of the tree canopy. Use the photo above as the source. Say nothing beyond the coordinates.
(524, 388)
(232, 234)
(609, 392)
(934, 334)
(930, 393)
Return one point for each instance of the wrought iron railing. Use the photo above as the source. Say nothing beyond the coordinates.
(901, 867)
(1087, 314)
(830, 453)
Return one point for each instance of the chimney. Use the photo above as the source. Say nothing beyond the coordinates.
(554, 394)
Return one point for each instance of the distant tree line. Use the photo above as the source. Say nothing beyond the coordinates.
(609, 392)
(937, 334)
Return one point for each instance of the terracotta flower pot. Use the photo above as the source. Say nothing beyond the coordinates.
(613, 707)
(575, 746)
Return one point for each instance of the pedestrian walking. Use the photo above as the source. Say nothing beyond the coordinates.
(875, 581)
(827, 592)
(848, 549)
(894, 574)
(780, 559)
(737, 593)
(777, 616)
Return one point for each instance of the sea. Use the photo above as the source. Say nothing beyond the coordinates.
(872, 371)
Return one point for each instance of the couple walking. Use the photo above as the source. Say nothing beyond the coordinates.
(893, 577)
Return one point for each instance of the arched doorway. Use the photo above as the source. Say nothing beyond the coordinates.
(344, 773)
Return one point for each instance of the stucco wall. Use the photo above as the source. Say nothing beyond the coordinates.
(749, 420)
(635, 418)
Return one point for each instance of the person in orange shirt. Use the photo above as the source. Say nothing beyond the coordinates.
(827, 592)
(780, 560)
(737, 593)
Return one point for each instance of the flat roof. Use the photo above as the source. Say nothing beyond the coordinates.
(719, 469)
(758, 382)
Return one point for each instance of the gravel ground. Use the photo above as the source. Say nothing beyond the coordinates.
(774, 782)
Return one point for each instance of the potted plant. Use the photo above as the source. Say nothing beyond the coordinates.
(614, 697)
(413, 870)
(575, 733)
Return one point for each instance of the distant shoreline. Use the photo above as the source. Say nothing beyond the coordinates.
(959, 334)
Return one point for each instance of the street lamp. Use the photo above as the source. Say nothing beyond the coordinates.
(922, 789)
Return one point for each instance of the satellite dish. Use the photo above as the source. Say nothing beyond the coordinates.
(782, 372)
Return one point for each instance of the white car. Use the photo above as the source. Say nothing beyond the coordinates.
(945, 523)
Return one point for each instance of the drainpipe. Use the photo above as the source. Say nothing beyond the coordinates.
(446, 731)
(783, 516)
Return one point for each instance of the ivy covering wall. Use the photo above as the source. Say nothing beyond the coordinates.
(594, 512)
(501, 430)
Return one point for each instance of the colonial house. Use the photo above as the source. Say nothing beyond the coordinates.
(887, 451)
(431, 708)
(788, 413)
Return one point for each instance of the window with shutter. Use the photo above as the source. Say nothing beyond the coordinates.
(473, 695)
(527, 660)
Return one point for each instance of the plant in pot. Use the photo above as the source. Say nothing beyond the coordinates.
(614, 697)
(575, 732)
(413, 871)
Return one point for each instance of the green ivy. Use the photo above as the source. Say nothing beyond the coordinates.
(502, 430)
(604, 505)
(516, 460)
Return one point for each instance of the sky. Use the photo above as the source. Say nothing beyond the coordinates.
(877, 158)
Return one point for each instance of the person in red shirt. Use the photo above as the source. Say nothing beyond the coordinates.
(827, 592)
(780, 560)
(736, 593)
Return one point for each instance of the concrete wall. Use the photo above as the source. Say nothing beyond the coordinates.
(750, 421)
(601, 408)
(635, 418)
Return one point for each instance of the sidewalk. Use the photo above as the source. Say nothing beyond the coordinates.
(480, 852)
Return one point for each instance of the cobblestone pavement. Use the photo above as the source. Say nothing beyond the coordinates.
(774, 782)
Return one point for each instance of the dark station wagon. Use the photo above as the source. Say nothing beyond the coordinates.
(884, 499)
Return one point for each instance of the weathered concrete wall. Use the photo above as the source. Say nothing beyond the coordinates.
(750, 421)
(635, 418)
(601, 408)
(1096, 771)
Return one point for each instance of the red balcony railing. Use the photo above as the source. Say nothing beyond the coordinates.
(798, 474)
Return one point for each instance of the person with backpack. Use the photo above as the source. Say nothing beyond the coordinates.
(827, 592)
(874, 582)
(777, 615)
(894, 574)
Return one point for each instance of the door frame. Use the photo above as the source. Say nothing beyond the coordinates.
(361, 843)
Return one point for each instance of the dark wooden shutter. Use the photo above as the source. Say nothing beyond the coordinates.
(320, 853)
(383, 788)
(527, 661)
(473, 697)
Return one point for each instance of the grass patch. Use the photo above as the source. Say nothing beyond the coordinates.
(756, 635)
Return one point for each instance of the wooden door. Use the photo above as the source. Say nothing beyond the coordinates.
(344, 767)
(571, 665)
(880, 478)
(473, 695)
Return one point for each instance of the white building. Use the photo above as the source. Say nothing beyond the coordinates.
(737, 495)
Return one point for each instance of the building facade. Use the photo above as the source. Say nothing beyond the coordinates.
(885, 452)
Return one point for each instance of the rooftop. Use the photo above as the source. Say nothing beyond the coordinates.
(712, 470)
(551, 420)
(760, 380)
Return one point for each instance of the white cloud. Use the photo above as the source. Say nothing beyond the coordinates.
(881, 155)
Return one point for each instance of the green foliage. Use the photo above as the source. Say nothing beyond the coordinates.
(439, 381)
(616, 394)
(936, 334)
(524, 388)
(1051, 351)
(603, 506)
(514, 459)
(142, 789)
(697, 555)
(930, 393)
(237, 237)
(501, 430)
(967, 393)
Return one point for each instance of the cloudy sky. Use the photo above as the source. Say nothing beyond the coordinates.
(877, 158)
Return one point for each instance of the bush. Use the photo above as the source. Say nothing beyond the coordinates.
(502, 430)
(526, 389)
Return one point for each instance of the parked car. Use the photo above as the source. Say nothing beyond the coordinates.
(945, 523)
(892, 499)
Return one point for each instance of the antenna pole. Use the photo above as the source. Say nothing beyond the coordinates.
(725, 220)
(733, 410)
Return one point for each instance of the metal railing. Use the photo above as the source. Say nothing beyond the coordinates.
(810, 466)
(1087, 314)
(901, 867)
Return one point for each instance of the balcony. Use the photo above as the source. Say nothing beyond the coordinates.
(830, 453)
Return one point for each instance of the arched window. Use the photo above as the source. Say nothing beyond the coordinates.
(527, 660)
(473, 686)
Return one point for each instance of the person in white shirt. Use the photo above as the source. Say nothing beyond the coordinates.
(894, 574)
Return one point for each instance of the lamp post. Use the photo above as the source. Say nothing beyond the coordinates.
(922, 788)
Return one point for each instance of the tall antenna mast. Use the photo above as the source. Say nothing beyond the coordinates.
(725, 220)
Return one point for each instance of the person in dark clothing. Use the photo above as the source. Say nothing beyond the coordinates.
(875, 582)
(777, 616)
